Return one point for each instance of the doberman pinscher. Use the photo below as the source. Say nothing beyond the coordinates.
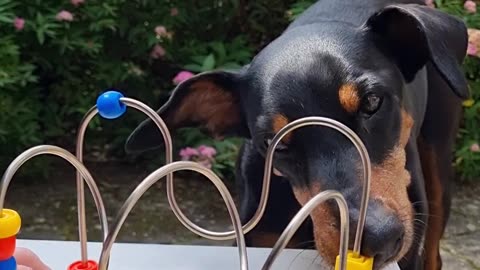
(390, 71)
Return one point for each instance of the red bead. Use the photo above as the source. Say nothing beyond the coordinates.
(7, 247)
(90, 265)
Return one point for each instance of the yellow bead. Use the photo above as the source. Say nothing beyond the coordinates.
(356, 262)
(10, 223)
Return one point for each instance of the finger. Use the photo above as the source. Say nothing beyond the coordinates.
(22, 267)
(27, 258)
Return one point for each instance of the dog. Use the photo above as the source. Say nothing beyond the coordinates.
(389, 70)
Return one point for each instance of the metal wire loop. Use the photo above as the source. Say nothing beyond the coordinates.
(155, 177)
(300, 217)
(327, 122)
(60, 152)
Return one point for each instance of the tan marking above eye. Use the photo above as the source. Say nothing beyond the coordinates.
(279, 121)
(348, 96)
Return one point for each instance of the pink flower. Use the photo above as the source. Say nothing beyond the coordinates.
(161, 31)
(77, 2)
(157, 52)
(64, 16)
(206, 163)
(19, 23)
(188, 152)
(470, 6)
(174, 12)
(207, 151)
(472, 49)
(182, 76)
(475, 148)
(430, 3)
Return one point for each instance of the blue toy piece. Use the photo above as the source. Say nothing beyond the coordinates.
(10, 264)
(109, 105)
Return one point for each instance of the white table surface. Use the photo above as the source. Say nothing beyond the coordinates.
(59, 254)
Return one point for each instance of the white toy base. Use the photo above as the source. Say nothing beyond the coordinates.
(59, 254)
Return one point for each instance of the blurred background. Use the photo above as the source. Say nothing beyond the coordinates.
(57, 56)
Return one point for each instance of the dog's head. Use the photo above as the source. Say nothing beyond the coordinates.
(356, 75)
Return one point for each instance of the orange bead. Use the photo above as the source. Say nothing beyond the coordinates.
(7, 247)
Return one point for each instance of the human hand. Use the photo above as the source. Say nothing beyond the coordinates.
(27, 260)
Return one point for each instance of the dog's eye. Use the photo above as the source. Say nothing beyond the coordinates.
(371, 103)
(280, 146)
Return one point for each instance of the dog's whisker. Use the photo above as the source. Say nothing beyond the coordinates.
(295, 258)
(313, 261)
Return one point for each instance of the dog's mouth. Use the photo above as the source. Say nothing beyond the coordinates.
(329, 252)
(390, 212)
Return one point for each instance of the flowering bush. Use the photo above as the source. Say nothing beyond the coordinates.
(218, 155)
(467, 153)
(56, 56)
(203, 154)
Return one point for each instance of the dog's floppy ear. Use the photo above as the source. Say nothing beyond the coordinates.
(414, 34)
(210, 100)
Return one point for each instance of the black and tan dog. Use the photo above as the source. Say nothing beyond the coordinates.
(391, 71)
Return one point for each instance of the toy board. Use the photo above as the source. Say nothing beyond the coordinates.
(126, 256)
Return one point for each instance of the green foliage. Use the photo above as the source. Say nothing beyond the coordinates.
(298, 8)
(227, 150)
(467, 158)
(52, 70)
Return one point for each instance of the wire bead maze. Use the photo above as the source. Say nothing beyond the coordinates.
(111, 105)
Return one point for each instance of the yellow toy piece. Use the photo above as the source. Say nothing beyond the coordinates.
(356, 262)
(10, 223)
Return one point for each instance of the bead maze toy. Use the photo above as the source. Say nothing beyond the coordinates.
(111, 105)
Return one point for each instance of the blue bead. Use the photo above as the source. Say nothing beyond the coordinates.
(109, 105)
(10, 264)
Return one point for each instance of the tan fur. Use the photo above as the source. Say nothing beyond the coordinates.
(327, 236)
(208, 104)
(389, 185)
(279, 121)
(349, 99)
(390, 181)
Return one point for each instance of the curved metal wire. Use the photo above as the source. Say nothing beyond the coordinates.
(82, 224)
(155, 177)
(60, 152)
(300, 217)
(327, 122)
(219, 236)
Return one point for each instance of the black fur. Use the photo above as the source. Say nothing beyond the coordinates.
(398, 50)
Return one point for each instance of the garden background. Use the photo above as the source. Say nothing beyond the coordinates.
(56, 56)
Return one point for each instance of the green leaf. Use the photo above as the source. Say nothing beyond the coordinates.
(208, 63)
(40, 36)
(198, 59)
(194, 67)
(219, 49)
(230, 66)
(6, 19)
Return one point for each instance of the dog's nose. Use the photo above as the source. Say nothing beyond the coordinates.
(383, 238)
